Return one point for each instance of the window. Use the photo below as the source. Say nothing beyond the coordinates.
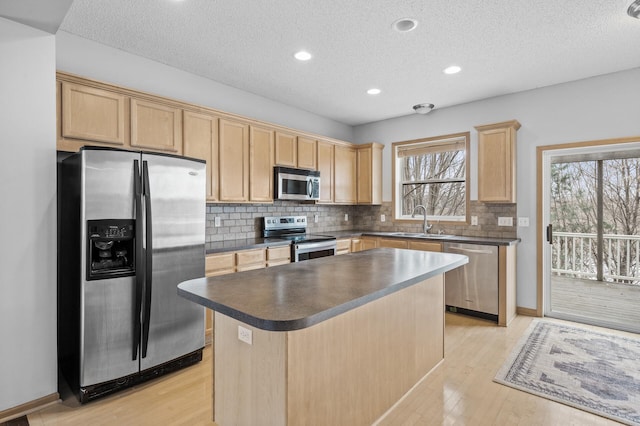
(432, 173)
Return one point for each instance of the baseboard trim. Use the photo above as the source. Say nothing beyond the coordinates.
(529, 312)
(28, 407)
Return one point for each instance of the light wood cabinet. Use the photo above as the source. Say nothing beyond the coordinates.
(343, 246)
(345, 175)
(425, 245)
(214, 265)
(156, 127)
(307, 153)
(200, 138)
(286, 149)
(369, 179)
(280, 255)
(497, 162)
(91, 114)
(325, 167)
(251, 259)
(363, 243)
(393, 243)
(261, 152)
(234, 161)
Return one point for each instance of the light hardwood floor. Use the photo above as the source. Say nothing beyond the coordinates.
(458, 392)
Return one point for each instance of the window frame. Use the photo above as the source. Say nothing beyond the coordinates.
(397, 182)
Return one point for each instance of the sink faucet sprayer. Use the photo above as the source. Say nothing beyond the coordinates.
(425, 227)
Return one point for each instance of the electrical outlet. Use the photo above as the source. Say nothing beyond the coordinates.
(382, 218)
(523, 221)
(245, 335)
(474, 220)
(505, 221)
(216, 222)
(346, 217)
(315, 218)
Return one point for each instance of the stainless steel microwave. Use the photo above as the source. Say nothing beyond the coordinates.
(296, 184)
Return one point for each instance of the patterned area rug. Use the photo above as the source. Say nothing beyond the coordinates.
(592, 371)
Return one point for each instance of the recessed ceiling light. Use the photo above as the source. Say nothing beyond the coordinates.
(374, 91)
(404, 25)
(453, 69)
(302, 55)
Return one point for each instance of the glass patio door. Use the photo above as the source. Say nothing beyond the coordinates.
(593, 261)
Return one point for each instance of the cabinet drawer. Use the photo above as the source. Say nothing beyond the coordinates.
(384, 242)
(250, 267)
(248, 257)
(425, 246)
(278, 262)
(278, 253)
(342, 245)
(218, 264)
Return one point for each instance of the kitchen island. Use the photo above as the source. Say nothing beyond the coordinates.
(335, 340)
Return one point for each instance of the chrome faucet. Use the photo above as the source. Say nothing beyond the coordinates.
(425, 226)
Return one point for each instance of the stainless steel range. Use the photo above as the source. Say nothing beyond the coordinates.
(294, 228)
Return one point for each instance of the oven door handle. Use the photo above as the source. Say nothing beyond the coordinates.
(321, 245)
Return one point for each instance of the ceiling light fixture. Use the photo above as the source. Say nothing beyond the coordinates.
(423, 108)
(374, 91)
(453, 69)
(634, 9)
(404, 25)
(302, 55)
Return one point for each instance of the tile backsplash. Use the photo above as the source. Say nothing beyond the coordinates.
(238, 221)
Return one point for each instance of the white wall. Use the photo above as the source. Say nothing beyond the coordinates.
(100, 62)
(596, 108)
(28, 367)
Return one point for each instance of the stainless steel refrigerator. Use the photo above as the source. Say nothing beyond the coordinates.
(131, 227)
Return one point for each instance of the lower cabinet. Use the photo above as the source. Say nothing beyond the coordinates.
(238, 261)
(343, 246)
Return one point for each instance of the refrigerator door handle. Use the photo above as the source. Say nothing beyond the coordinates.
(148, 260)
(139, 262)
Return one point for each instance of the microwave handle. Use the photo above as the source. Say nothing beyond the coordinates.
(309, 187)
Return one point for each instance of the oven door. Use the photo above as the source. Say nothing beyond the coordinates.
(313, 250)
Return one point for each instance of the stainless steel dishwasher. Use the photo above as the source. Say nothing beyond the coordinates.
(473, 288)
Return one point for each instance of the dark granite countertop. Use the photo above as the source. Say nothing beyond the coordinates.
(299, 295)
(243, 244)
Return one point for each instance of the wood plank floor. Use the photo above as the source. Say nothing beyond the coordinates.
(458, 392)
(618, 305)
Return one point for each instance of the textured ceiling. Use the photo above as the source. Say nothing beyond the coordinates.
(503, 46)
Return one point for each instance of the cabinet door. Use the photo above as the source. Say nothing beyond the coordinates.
(286, 149)
(260, 164)
(278, 255)
(425, 246)
(93, 114)
(368, 243)
(325, 167)
(343, 246)
(307, 153)
(234, 161)
(497, 162)
(156, 127)
(364, 176)
(344, 175)
(251, 259)
(201, 141)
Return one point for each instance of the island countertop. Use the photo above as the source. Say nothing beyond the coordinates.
(299, 295)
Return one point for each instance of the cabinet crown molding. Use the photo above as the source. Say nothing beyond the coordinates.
(515, 124)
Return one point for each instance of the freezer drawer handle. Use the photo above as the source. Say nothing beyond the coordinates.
(148, 260)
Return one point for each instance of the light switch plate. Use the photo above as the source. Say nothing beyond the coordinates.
(474, 220)
(505, 221)
(315, 218)
(382, 218)
(216, 222)
(523, 221)
(245, 335)
(346, 217)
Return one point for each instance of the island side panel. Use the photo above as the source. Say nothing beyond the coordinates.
(352, 368)
(249, 380)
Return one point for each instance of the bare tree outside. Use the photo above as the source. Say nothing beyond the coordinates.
(574, 210)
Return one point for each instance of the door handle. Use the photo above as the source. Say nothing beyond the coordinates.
(550, 233)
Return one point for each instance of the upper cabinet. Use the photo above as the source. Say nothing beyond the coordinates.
(156, 127)
(344, 175)
(234, 161)
(261, 153)
(307, 153)
(369, 179)
(91, 114)
(325, 167)
(497, 162)
(200, 139)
